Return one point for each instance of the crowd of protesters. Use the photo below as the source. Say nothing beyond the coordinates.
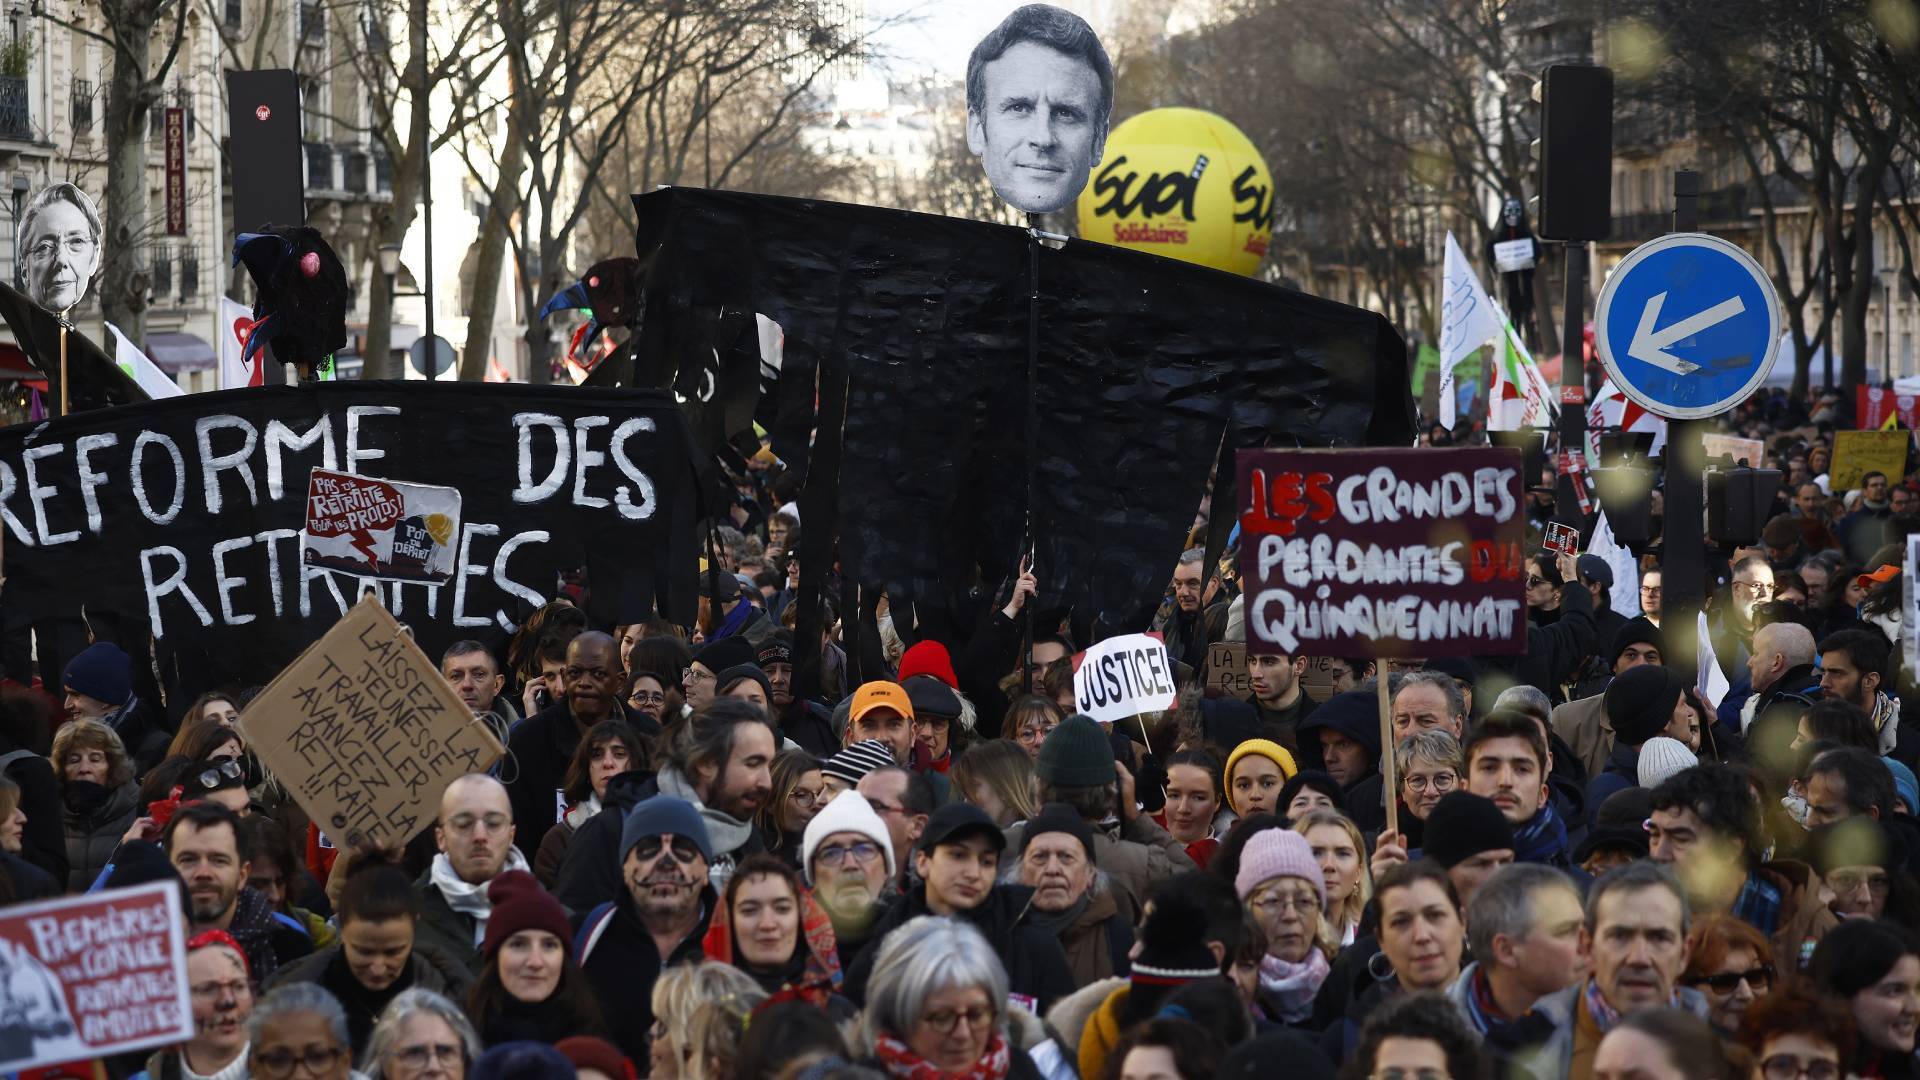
(683, 867)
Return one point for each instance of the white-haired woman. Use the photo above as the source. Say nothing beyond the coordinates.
(299, 1030)
(421, 1036)
(936, 1006)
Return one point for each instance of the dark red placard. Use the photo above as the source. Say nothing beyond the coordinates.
(1414, 553)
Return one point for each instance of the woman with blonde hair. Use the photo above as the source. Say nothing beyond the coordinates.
(1340, 850)
(96, 786)
(677, 997)
(997, 776)
(25, 881)
(1282, 885)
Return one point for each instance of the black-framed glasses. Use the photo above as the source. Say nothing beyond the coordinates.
(1760, 979)
(684, 851)
(228, 769)
(281, 1063)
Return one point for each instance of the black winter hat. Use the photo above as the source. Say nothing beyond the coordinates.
(718, 656)
(1076, 754)
(1060, 818)
(1463, 825)
(1637, 631)
(1355, 714)
(744, 671)
(1640, 702)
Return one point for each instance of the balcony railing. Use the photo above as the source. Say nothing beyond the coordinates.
(162, 271)
(82, 106)
(320, 167)
(16, 116)
(189, 276)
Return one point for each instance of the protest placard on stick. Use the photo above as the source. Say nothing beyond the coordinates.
(1857, 453)
(1123, 677)
(365, 733)
(89, 976)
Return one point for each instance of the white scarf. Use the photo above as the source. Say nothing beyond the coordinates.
(580, 813)
(465, 897)
(235, 1070)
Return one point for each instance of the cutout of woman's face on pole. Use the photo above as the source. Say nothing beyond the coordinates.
(57, 249)
(1039, 94)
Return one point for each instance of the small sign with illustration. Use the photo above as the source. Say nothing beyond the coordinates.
(380, 528)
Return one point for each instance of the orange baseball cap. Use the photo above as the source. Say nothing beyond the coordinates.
(1880, 576)
(880, 695)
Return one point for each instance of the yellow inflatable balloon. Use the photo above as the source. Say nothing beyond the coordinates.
(1182, 183)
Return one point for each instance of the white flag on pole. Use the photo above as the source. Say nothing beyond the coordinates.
(1468, 320)
(1624, 597)
(1712, 684)
(140, 369)
(236, 320)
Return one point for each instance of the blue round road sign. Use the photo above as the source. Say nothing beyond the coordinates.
(1688, 325)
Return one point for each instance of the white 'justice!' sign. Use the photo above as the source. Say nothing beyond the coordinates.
(1123, 677)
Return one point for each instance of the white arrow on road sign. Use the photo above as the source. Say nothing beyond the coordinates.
(1650, 347)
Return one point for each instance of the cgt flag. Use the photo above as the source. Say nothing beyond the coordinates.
(1468, 320)
(236, 322)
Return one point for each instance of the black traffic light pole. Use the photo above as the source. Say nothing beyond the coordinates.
(1683, 539)
(1573, 388)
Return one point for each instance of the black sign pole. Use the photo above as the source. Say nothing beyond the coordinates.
(1683, 539)
(1573, 389)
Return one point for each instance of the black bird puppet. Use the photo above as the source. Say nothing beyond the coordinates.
(607, 295)
(300, 296)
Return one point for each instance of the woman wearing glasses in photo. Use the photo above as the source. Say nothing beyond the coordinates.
(799, 791)
(299, 1030)
(1732, 964)
(937, 1005)
(610, 748)
(421, 1036)
(1282, 885)
(1792, 1035)
(1430, 767)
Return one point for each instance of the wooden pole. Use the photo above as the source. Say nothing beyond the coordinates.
(64, 325)
(1381, 668)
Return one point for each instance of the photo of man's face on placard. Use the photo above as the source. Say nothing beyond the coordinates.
(58, 247)
(1039, 93)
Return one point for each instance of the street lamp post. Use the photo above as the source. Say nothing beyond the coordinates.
(390, 266)
(1888, 275)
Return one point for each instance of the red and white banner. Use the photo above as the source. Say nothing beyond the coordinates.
(92, 975)
(1874, 404)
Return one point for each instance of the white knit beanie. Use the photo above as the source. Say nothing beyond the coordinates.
(1661, 757)
(848, 812)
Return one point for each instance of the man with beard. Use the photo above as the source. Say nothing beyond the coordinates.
(720, 761)
(657, 920)
(847, 857)
(1072, 900)
(475, 835)
(213, 855)
(956, 862)
(543, 744)
(1506, 756)
(808, 724)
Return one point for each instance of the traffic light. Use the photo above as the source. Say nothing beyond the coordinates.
(1576, 153)
(1738, 501)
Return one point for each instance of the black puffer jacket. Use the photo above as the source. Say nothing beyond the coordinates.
(96, 819)
(1036, 964)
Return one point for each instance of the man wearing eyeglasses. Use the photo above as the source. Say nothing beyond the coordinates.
(1582, 723)
(1731, 624)
(956, 863)
(847, 857)
(542, 745)
(657, 920)
(475, 834)
(1705, 826)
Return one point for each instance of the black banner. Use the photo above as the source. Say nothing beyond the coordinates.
(1145, 366)
(184, 515)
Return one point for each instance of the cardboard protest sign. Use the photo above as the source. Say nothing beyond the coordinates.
(1751, 451)
(1562, 539)
(1123, 677)
(1317, 683)
(1383, 553)
(1857, 453)
(1227, 668)
(84, 977)
(185, 515)
(380, 528)
(365, 732)
(1510, 256)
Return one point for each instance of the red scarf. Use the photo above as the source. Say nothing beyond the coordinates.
(903, 1064)
(821, 976)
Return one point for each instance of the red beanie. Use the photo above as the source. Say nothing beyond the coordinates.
(587, 1052)
(929, 658)
(519, 903)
